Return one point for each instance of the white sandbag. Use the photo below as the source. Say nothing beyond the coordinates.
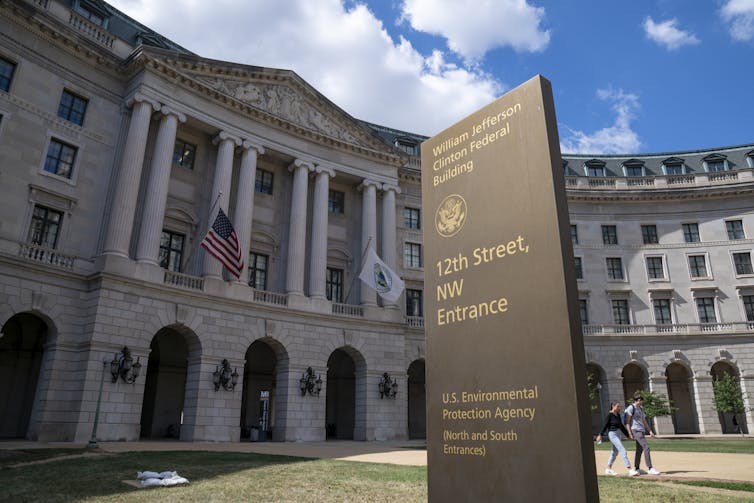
(151, 482)
(174, 481)
(147, 475)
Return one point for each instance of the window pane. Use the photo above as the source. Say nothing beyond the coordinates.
(614, 268)
(413, 302)
(412, 255)
(583, 312)
(609, 235)
(620, 312)
(705, 306)
(334, 284)
(735, 229)
(60, 158)
(171, 250)
(579, 270)
(184, 154)
(662, 312)
(72, 107)
(336, 201)
(749, 307)
(263, 183)
(742, 261)
(574, 234)
(698, 266)
(45, 227)
(691, 233)
(6, 73)
(655, 268)
(411, 218)
(649, 234)
(258, 270)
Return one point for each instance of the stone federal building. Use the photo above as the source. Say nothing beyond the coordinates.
(116, 148)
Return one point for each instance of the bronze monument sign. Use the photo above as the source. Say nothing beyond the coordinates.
(506, 380)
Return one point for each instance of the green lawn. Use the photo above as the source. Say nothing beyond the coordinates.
(739, 444)
(254, 477)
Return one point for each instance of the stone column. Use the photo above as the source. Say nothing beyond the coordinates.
(388, 229)
(318, 260)
(294, 280)
(747, 388)
(368, 232)
(153, 215)
(662, 425)
(220, 192)
(129, 176)
(704, 399)
(244, 213)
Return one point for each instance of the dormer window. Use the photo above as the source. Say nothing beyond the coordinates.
(715, 163)
(750, 159)
(92, 12)
(407, 146)
(594, 167)
(634, 167)
(674, 166)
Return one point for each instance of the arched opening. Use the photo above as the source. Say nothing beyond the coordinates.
(679, 394)
(21, 351)
(729, 423)
(597, 390)
(417, 400)
(259, 396)
(634, 379)
(162, 412)
(345, 415)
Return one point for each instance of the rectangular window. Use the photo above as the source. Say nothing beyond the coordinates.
(263, 182)
(634, 170)
(413, 302)
(620, 312)
(258, 270)
(336, 202)
(412, 255)
(662, 312)
(749, 307)
(60, 158)
(45, 227)
(411, 218)
(595, 171)
(649, 234)
(184, 154)
(698, 266)
(579, 269)
(715, 166)
(171, 250)
(705, 306)
(655, 269)
(583, 312)
(742, 262)
(691, 233)
(7, 68)
(614, 268)
(91, 13)
(72, 107)
(674, 169)
(735, 229)
(609, 235)
(574, 234)
(334, 284)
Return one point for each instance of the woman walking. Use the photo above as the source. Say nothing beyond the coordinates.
(614, 427)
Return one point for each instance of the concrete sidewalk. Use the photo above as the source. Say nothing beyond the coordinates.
(691, 465)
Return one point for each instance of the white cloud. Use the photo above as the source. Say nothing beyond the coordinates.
(616, 139)
(667, 34)
(345, 53)
(740, 15)
(473, 27)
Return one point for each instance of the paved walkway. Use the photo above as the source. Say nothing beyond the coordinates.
(694, 465)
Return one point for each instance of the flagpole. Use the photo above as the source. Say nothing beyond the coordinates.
(361, 266)
(209, 224)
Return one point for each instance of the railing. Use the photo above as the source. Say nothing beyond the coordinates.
(415, 321)
(726, 176)
(46, 256)
(347, 310)
(183, 280)
(681, 180)
(683, 328)
(658, 182)
(91, 30)
(273, 298)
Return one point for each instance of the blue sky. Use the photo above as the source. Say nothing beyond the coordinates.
(638, 76)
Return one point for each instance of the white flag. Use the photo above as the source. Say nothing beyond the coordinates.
(379, 276)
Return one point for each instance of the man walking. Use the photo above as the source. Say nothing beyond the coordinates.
(637, 426)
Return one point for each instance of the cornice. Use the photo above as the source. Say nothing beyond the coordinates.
(659, 194)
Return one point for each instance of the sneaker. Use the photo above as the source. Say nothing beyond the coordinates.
(652, 471)
(633, 473)
(610, 471)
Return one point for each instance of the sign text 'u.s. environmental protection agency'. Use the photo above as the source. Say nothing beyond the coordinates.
(507, 409)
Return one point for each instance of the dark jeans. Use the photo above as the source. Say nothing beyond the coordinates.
(641, 445)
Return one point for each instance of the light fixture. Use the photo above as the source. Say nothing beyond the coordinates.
(123, 366)
(223, 377)
(388, 386)
(309, 384)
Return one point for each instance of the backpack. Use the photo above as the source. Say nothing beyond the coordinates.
(624, 414)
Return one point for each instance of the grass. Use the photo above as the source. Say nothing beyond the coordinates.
(14, 457)
(730, 486)
(736, 445)
(218, 476)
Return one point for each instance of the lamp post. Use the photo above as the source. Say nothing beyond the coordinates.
(93, 441)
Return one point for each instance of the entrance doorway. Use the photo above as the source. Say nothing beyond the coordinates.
(679, 393)
(417, 400)
(259, 396)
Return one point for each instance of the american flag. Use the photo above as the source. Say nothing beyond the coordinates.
(222, 242)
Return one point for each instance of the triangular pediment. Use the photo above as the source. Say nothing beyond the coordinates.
(281, 97)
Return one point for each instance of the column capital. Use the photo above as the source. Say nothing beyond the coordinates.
(168, 110)
(249, 145)
(324, 169)
(301, 163)
(389, 186)
(223, 136)
(369, 183)
(140, 97)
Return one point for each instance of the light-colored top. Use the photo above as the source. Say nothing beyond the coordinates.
(637, 417)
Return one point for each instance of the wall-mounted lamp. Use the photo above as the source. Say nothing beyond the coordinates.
(123, 366)
(309, 384)
(222, 376)
(388, 386)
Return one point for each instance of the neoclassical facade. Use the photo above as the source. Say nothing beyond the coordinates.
(117, 147)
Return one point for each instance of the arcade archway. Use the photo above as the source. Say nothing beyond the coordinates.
(417, 400)
(634, 379)
(345, 415)
(680, 395)
(260, 398)
(728, 422)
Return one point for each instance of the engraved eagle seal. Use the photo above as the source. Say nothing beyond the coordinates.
(451, 215)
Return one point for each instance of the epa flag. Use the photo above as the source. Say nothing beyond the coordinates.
(222, 242)
(379, 276)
